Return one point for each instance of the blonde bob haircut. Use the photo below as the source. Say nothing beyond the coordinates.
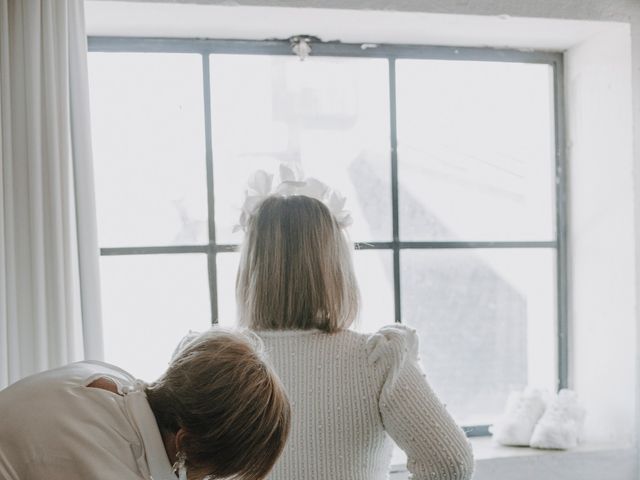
(296, 270)
(231, 405)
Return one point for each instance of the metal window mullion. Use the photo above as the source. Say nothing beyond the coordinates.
(561, 224)
(211, 251)
(334, 49)
(434, 245)
(427, 245)
(156, 250)
(476, 430)
(393, 131)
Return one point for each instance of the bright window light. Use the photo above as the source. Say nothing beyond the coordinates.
(456, 228)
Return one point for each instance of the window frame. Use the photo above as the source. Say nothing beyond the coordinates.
(206, 47)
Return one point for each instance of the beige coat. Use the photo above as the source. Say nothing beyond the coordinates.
(54, 427)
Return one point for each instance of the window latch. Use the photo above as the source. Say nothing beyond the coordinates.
(301, 45)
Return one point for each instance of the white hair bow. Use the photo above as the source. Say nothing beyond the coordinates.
(292, 182)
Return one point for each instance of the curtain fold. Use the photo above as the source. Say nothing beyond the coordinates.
(49, 278)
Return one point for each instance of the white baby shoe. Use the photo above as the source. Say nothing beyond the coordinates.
(522, 412)
(561, 425)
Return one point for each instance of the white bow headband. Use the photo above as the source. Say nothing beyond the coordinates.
(292, 182)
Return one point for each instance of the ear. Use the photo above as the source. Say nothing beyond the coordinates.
(179, 439)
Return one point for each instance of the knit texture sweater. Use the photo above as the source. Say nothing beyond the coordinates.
(351, 393)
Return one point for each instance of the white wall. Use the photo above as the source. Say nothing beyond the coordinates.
(601, 232)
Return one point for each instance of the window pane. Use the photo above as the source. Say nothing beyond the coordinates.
(227, 269)
(374, 271)
(475, 150)
(148, 142)
(330, 114)
(149, 303)
(486, 321)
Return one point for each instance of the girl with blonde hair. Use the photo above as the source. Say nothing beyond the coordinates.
(351, 393)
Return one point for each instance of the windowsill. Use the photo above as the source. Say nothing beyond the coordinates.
(485, 449)
(586, 462)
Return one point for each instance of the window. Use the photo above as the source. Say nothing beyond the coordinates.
(450, 159)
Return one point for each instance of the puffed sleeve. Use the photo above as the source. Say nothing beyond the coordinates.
(412, 414)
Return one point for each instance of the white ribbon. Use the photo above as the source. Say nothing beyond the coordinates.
(292, 182)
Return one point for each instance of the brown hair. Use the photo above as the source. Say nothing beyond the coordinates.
(231, 405)
(296, 270)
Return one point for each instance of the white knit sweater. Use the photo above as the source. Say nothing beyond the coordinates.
(348, 391)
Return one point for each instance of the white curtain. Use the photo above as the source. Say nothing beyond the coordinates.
(49, 279)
